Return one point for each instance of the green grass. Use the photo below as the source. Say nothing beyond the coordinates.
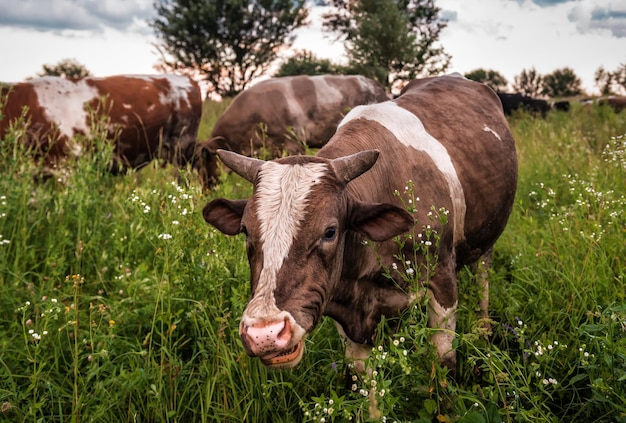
(118, 303)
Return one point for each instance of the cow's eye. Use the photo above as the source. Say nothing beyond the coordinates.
(244, 231)
(330, 233)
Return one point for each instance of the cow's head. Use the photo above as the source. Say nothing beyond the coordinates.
(205, 163)
(295, 225)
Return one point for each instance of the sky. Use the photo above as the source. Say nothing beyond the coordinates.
(113, 37)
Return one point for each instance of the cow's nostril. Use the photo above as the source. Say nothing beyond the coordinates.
(285, 333)
(265, 337)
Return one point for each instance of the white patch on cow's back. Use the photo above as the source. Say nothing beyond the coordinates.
(367, 85)
(294, 103)
(63, 103)
(410, 131)
(488, 129)
(327, 94)
(180, 87)
(281, 199)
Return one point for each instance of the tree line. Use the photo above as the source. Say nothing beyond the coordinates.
(230, 43)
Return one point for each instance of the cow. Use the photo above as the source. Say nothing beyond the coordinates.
(311, 220)
(275, 116)
(151, 116)
(617, 103)
(517, 101)
(561, 106)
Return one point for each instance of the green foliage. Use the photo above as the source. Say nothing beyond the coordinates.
(390, 40)
(66, 68)
(228, 42)
(604, 81)
(119, 303)
(620, 78)
(492, 78)
(562, 83)
(529, 83)
(611, 82)
(306, 63)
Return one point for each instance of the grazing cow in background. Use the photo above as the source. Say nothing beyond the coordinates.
(512, 102)
(617, 103)
(278, 114)
(151, 116)
(309, 218)
(562, 106)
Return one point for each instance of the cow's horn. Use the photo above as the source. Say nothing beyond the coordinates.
(246, 167)
(349, 167)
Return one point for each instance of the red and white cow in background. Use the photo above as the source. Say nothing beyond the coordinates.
(151, 116)
(309, 217)
(278, 114)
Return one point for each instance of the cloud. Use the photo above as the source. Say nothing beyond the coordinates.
(542, 3)
(548, 3)
(80, 15)
(591, 16)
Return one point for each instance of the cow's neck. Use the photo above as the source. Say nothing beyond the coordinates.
(364, 293)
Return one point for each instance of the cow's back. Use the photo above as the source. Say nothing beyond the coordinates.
(149, 116)
(43, 134)
(153, 116)
(279, 113)
(450, 138)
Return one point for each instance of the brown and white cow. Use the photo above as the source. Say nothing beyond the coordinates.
(308, 219)
(151, 116)
(277, 114)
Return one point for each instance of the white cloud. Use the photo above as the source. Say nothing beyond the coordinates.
(600, 15)
(57, 15)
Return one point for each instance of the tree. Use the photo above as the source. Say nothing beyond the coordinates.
(390, 40)
(228, 42)
(306, 63)
(611, 82)
(562, 83)
(491, 78)
(66, 68)
(619, 76)
(604, 81)
(529, 83)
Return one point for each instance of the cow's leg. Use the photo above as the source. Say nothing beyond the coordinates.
(355, 353)
(442, 305)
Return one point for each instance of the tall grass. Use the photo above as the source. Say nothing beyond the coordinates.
(119, 304)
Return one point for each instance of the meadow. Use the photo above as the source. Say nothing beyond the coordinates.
(118, 303)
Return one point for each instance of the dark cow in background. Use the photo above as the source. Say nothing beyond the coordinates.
(512, 102)
(309, 218)
(151, 116)
(617, 103)
(561, 106)
(277, 114)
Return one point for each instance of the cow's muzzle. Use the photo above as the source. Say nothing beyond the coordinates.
(278, 341)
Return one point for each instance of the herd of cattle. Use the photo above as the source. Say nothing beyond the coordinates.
(158, 116)
(308, 220)
(513, 102)
(152, 117)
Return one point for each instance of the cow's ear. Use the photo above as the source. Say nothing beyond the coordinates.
(380, 222)
(225, 214)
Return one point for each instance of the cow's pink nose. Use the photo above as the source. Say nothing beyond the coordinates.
(267, 337)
